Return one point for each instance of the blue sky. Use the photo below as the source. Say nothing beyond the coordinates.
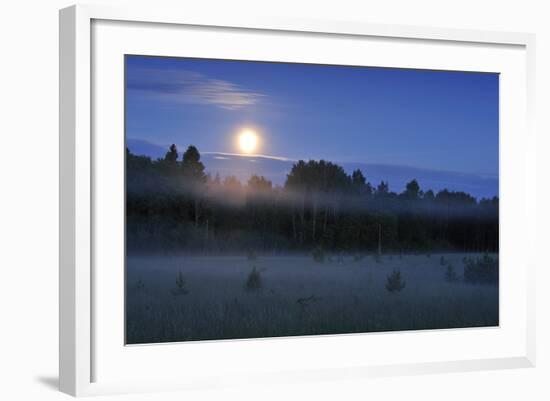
(428, 119)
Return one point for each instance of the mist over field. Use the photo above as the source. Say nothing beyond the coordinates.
(326, 253)
(298, 296)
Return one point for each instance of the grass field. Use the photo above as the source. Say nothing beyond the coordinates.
(180, 298)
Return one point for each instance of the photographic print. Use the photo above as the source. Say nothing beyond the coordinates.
(271, 199)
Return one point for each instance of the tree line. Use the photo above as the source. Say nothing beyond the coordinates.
(172, 204)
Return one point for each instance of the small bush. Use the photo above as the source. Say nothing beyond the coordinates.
(442, 261)
(394, 282)
(318, 255)
(253, 281)
(358, 257)
(377, 258)
(483, 270)
(450, 274)
(181, 285)
(140, 285)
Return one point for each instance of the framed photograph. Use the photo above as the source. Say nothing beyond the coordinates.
(278, 200)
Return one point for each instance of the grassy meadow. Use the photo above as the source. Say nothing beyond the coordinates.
(188, 298)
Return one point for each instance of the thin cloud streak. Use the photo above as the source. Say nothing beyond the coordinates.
(281, 158)
(190, 87)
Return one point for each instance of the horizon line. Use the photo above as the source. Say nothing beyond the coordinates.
(483, 175)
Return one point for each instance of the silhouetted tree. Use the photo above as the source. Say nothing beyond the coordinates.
(315, 181)
(193, 169)
(194, 176)
(360, 184)
(383, 188)
(412, 190)
(429, 195)
(259, 184)
(232, 183)
(172, 155)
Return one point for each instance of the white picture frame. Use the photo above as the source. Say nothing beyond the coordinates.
(78, 368)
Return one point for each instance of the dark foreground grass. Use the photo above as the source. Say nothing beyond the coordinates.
(297, 297)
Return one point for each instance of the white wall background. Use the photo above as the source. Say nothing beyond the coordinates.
(29, 196)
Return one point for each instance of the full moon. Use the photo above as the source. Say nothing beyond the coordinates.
(248, 141)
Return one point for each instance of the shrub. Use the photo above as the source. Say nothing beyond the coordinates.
(377, 258)
(442, 261)
(253, 281)
(450, 274)
(358, 257)
(483, 270)
(140, 285)
(394, 282)
(318, 255)
(181, 285)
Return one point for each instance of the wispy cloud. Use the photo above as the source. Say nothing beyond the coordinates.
(191, 87)
(243, 155)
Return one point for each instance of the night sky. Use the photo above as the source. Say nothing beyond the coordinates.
(425, 119)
